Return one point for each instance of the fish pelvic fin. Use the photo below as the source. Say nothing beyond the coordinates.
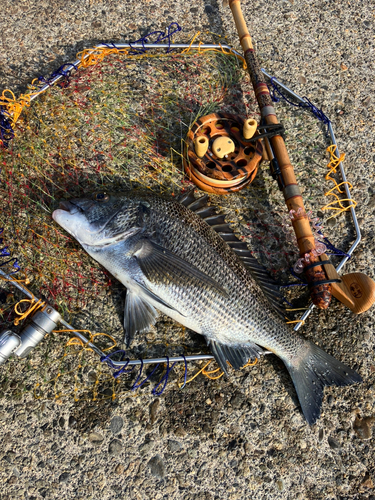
(312, 373)
(138, 316)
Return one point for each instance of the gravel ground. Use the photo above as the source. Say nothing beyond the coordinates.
(244, 436)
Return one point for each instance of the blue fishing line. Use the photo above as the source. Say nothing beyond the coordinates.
(6, 130)
(318, 113)
(135, 386)
(295, 275)
(15, 265)
(286, 300)
(332, 250)
(59, 72)
(107, 359)
(185, 374)
(164, 379)
(4, 253)
(123, 369)
(161, 37)
(110, 45)
(148, 376)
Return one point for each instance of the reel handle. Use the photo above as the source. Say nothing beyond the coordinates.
(355, 290)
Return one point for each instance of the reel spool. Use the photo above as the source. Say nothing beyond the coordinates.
(221, 155)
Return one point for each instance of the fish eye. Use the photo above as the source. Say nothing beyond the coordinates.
(101, 197)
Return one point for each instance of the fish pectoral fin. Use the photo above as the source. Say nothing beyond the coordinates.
(139, 315)
(157, 299)
(157, 263)
(237, 356)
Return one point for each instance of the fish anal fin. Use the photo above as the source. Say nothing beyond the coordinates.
(236, 355)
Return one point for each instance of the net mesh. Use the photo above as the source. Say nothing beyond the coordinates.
(117, 125)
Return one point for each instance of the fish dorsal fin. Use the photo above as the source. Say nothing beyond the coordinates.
(269, 286)
(217, 222)
(190, 201)
(186, 198)
(237, 356)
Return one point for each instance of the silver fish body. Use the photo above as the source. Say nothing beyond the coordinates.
(171, 260)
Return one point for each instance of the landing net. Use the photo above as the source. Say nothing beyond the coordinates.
(116, 125)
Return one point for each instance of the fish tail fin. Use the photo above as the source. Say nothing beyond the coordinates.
(312, 372)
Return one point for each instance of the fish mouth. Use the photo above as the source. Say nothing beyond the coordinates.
(75, 206)
(67, 206)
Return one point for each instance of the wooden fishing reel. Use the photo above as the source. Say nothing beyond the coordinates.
(222, 153)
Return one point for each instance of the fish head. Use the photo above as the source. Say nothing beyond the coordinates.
(101, 219)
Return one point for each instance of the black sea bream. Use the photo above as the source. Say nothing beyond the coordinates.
(171, 259)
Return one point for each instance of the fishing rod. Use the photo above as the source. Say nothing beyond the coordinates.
(355, 290)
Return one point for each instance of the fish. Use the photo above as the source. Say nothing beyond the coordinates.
(183, 259)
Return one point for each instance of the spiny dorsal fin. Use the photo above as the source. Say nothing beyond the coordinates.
(206, 212)
(198, 203)
(186, 198)
(217, 222)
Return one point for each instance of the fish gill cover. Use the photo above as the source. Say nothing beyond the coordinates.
(116, 125)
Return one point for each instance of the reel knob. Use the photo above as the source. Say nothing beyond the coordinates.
(221, 153)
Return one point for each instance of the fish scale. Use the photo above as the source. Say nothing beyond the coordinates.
(245, 315)
(172, 260)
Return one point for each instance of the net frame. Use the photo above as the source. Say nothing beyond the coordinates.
(90, 55)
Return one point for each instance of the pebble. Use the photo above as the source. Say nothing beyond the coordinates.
(146, 447)
(64, 477)
(116, 424)
(333, 443)
(363, 427)
(72, 422)
(180, 431)
(115, 447)
(367, 483)
(174, 446)
(367, 101)
(119, 469)
(157, 467)
(153, 410)
(96, 438)
(280, 484)
(237, 400)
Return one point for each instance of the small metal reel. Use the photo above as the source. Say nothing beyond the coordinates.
(217, 157)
